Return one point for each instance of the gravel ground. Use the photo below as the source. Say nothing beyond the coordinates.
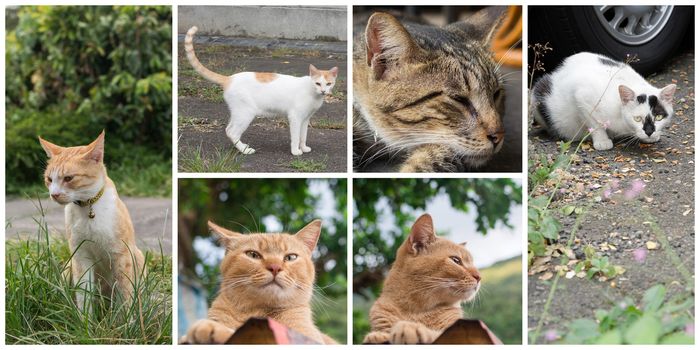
(617, 227)
(203, 114)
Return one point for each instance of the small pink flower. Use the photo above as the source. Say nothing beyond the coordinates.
(551, 335)
(690, 329)
(562, 190)
(640, 255)
(607, 193)
(606, 124)
(635, 189)
(591, 129)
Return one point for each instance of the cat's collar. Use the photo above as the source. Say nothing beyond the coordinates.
(90, 202)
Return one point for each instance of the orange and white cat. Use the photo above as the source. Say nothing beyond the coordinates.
(251, 94)
(98, 224)
(423, 291)
(263, 275)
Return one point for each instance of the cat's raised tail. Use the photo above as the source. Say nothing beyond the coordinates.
(201, 69)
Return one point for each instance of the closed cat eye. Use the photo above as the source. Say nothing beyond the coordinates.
(290, 257)
(48, 179)
(319, 84)
(637, 119)
(497, 94)
(253, 254)
(659, 117)
(328, 84)
(456, 260)
(67, 178)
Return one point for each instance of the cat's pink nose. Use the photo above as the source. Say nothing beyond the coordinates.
(274, 268)
(55, 195)
(476, 275)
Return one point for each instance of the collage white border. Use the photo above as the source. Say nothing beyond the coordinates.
(348, 175)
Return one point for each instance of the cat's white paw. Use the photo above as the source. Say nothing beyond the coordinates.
(377, 338)
(602, 145)
(297, 152)
(305, 149)
(248, 150)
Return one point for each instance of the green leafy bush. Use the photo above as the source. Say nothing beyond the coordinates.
(73, 71)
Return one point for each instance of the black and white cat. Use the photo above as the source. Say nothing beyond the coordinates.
(593, 93)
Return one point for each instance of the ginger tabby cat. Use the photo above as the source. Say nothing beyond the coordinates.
(423, 291)
(98, 224)
(263, 275)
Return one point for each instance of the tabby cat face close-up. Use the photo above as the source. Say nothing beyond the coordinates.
(418, 85)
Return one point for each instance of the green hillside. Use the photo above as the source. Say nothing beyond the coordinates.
(499, 303)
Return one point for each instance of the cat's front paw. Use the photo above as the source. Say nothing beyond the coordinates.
(405, 332)
(602, 145)
(208, 332)
(305, 149)
(297, 152)
(377, 338)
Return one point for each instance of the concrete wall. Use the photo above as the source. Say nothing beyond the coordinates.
(288, 22)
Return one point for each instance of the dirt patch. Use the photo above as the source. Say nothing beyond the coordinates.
(203, 115)
(667, 168)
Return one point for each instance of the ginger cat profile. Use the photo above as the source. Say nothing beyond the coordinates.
(263, 275)
(98, 224)
(423, 291)
(251, 94)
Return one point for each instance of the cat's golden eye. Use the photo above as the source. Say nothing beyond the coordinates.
(659, 117)
(290, 257)
(67, 178)
(457, 260)
(638, 119)
(253, 254)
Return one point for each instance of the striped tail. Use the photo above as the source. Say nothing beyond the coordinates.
(201, 69)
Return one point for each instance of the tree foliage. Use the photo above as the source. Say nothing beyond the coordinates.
(72, 71)
(379, 200)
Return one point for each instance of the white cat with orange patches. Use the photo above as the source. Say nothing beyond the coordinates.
(98, 224)
(251, 94)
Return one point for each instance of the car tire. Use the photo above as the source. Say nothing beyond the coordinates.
(573, 29)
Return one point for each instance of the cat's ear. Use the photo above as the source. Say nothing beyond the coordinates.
(387, 43)
(96, 149)
(626, 94)
(422, 234)
(334, 72)
(481, 26)
(313, 71)
(667, 92)
(223, 235)
(309, 234)
(50, 149)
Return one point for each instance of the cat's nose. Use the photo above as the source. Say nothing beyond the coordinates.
(55, 195)
(496, 137)
(476, 275)
(274, 268)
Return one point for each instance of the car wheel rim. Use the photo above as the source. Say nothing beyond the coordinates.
(633, 25)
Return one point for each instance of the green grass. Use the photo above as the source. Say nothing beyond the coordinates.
(498, 304)
(330, 315)
(327, 123)
(212, 93)
(40, 306)
(309, 165)
(221, 161)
